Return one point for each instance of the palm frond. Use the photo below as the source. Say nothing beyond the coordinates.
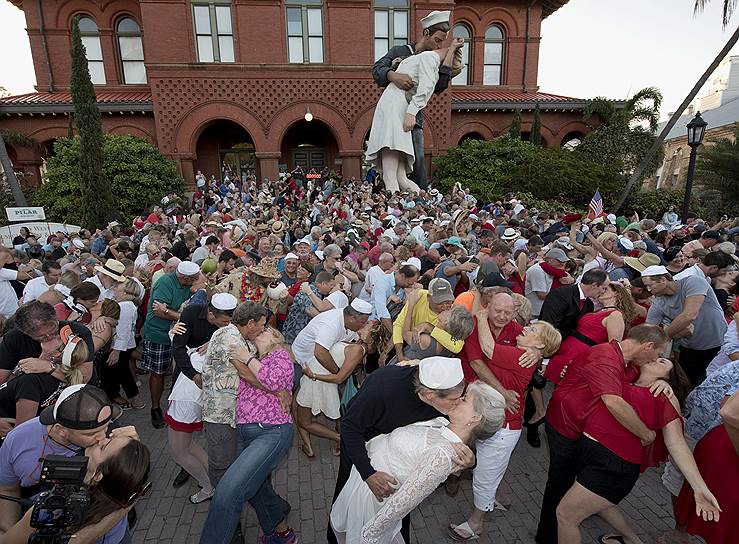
(728, 11)
(602, 107)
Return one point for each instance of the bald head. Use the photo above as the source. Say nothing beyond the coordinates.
(501, 311)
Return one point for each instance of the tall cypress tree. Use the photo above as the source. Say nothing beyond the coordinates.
(97, 196)
(515, 130)
(536, 127)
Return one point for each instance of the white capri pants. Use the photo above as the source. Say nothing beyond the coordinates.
(493, 456)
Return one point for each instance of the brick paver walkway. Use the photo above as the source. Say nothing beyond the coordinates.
(166, 516)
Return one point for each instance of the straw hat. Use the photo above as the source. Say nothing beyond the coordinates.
(267, 268)
(643, 262)
(113, 269)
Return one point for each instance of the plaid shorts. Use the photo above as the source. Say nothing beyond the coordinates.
(157, 357)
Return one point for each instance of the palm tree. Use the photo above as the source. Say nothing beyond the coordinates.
(729, 6)
(718, 170)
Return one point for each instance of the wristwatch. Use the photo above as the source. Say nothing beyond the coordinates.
(54, 366)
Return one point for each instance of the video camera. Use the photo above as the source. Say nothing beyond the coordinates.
(60, 509)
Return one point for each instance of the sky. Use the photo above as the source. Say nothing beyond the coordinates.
(589, 48)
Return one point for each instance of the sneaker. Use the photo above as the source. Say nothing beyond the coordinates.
(181, 478)
(157, 419)
(274, 538)
(202, 496)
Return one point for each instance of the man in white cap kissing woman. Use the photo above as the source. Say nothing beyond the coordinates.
(393, 397)
(435, 29)
(167, 296)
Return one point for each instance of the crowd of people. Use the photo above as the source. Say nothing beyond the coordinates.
(420, 333)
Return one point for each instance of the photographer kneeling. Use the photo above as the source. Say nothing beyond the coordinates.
(117, 469)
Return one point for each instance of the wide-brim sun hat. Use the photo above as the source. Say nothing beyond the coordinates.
(267, 268)
(113, 269)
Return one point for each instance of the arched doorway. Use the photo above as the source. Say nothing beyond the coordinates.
(309, 144)
(224, 147)
(572, 140)
(471, 136)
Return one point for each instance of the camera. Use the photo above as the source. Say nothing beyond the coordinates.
(60, 508)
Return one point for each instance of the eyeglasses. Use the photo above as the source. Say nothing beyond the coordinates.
(464, 392)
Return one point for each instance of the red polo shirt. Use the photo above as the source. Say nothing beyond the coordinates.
(600, 371)
(504, 365)
(655, 413)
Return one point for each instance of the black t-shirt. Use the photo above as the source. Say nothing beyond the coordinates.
(19, 241)
(16, 345)
(40, 388)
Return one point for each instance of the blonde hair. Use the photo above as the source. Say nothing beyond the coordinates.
(70, 278)
(524, 312)
(110, 308)
(131, 291)
(72, 371)
(550, 337)
(624, 303)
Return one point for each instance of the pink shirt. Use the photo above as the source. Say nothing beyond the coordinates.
(257, 406)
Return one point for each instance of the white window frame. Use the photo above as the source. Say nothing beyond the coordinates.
(485, 60)
(395, 36)
(464, 77)
(215, 33)
(309, 38)
(90, 35)
(129, 34)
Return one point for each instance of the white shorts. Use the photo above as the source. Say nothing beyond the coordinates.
(493, 456)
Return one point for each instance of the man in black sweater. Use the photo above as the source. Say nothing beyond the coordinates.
(393, 397)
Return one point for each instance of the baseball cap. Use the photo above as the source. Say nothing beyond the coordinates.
(712, 234)
(656, 270)
(455, 241)
(440, 290)
(78, 407)
(494, 279)
(558, 254)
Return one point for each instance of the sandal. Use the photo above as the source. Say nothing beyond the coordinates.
(201, 496)
(454, 534)
(610, 538)
(137, 403)
(305, 451)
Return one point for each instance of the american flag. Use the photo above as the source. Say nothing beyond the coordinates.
(596, 206)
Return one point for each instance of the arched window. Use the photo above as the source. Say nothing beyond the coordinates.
(494, 50)
(461, 31)
(93, 51)
(131, 51)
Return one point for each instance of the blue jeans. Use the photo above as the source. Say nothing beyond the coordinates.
(261, 448)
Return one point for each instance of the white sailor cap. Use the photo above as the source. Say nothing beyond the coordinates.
(362, 306)
(440, 372)
(224, 302)
(188, 268)
(435, 18)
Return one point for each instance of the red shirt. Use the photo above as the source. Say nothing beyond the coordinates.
(655, 413)
(504, 365)
(600, 371)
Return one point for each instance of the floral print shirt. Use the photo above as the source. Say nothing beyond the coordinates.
(704, 402)
(220, 378)
(256, 406)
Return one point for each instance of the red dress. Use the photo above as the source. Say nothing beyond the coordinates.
(590, 326)
(719, 465)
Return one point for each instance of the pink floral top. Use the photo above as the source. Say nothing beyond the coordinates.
(256, 406)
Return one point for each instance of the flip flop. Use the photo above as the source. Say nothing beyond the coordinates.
(305, 451)
(454, 535)
(606, 538)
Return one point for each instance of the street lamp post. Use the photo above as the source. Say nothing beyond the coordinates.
(696, 131)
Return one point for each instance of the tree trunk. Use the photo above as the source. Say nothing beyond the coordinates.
(675, 117)
(15, 187)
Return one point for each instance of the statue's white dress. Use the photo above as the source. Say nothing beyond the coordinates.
(387, 123)
(419, 457)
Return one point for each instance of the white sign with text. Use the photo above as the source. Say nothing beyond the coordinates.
(25, 214)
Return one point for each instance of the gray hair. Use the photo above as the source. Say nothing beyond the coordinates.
(460, 323)
(490, 405)
(247, 312)
(332, 250)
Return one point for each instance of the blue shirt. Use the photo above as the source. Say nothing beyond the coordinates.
(98, 246)
(383, 289)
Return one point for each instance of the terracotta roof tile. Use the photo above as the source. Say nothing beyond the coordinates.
(508, 96)
(103, 97)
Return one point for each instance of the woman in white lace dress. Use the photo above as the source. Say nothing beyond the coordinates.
(395, 115)
(420, 457)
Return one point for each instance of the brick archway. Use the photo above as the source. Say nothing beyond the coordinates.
(295, 113)
(471, 127)
(189, 128)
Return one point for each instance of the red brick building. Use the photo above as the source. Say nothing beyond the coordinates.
(268, 84)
